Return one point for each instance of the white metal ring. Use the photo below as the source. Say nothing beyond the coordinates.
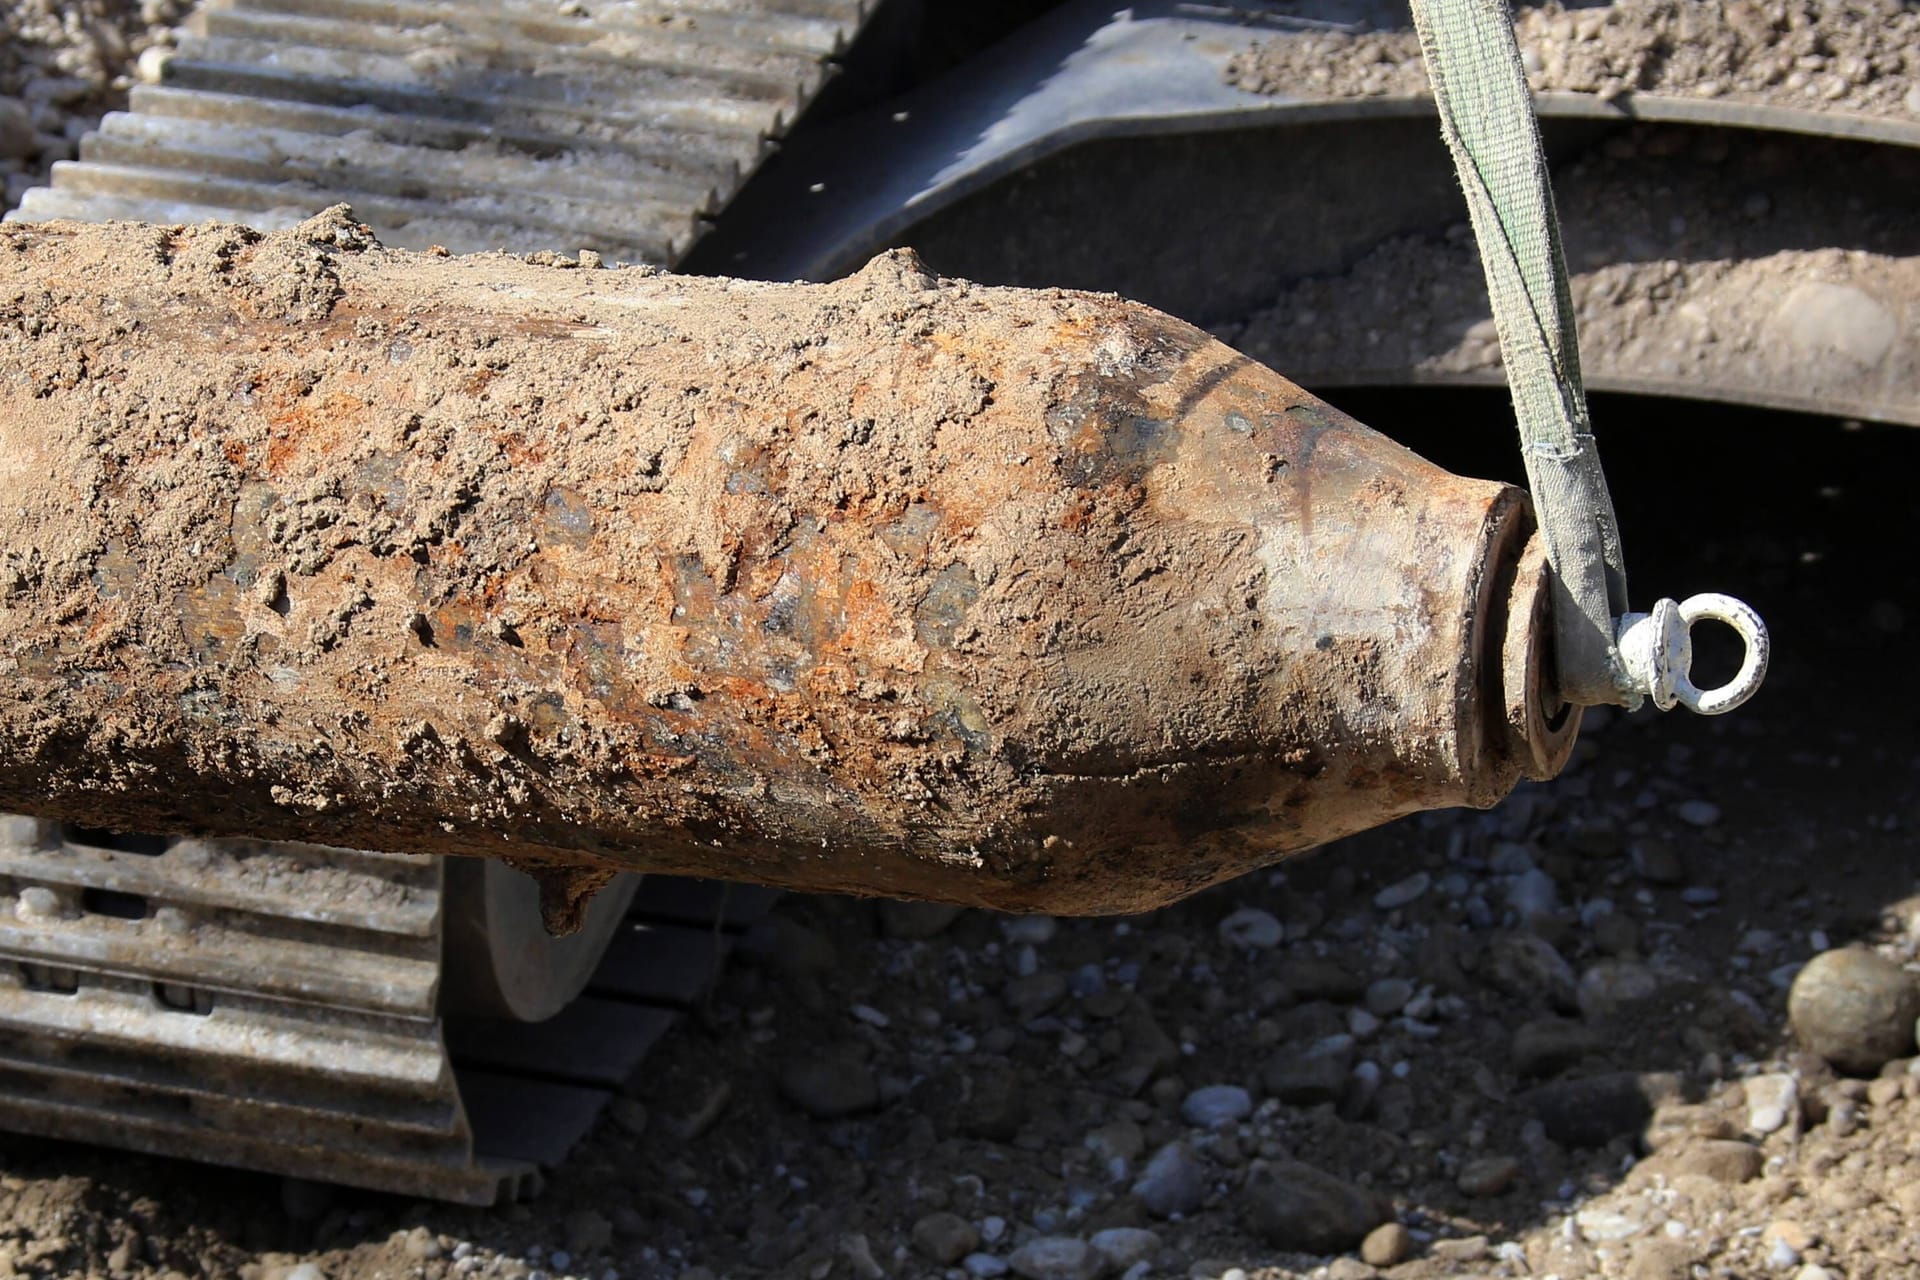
(1753, 668)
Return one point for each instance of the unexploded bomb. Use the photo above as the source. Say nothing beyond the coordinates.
(898, 585)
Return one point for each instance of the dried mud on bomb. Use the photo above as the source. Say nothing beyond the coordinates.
(1652, 1020)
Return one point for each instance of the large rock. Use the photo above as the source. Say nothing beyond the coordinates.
(1296, 1207)
(1855, 1009)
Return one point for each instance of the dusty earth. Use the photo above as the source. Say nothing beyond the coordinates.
(1853, 55)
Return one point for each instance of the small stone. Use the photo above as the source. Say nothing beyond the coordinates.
(1616, 934)
(1056, 1258)
(1603, 1226)
(587, 1232)
(1657, 862)
(1854, 1008)
(1319, 1074)
(1251, 929)
(1699, 895)
(1488, 1176)
(1388, 996)
(828, 1088)
(1216, 1105)
(1349, 1268)
(1361, 1024)
(421, 1245)
(1404, 892)
(1794, 1234)
(1772, 1100)
(17, 140)
(1029, 931)
(1698, 813)
(1532, 895)
(983, 1266)
(1468, 1249)
(996, 1106)
(1387, 1245)
(1658, 1258)
(1174, 1181)
(1720, 1159)
(1781, 1255)
(917, 921)
(858, 1252)
(1676, 1124)
(37, 902)
(1116, 1140)
(1124, 1247)
(1312, 979)
(945, 1238)
(1610, 985)
(303, 1271)
(1594, 1110)
(1813, 1270)
(1295, 1206)
(1546, 1046)
(1526, 966)
(1031, 996)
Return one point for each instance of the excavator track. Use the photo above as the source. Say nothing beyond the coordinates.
(277, 1007)
(282, 1007)
(468, 124)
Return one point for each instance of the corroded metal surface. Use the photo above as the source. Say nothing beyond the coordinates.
(1037, 600)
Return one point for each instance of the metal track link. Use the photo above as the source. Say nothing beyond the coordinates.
(468, 124)
(274, 1007)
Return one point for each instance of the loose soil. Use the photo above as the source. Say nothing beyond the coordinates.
(1859, 57)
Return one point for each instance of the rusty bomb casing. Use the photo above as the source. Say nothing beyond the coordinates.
(898, 585)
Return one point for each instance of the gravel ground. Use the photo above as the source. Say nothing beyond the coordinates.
(1855, 55)
(62, 66)
(1549, 1039)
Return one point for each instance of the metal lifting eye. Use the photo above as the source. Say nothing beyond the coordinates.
(1657, 648)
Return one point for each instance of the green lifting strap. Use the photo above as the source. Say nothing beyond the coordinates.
(1486, 116)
